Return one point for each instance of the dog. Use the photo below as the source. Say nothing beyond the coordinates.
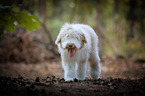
(78, 46)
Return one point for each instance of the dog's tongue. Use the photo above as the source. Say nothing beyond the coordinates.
(71, 52)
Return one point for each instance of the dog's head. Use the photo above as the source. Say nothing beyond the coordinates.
(71, 39)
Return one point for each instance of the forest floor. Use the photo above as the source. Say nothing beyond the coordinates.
(119, 77)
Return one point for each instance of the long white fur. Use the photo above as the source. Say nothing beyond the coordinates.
(88, 54)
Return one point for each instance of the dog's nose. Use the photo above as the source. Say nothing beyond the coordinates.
(70, 45)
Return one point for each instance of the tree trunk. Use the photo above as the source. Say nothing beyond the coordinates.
(43, 23)
(43, 10)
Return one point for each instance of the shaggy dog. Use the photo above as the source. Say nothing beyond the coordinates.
(77, 44)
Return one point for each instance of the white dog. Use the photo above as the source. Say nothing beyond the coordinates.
(77, 44)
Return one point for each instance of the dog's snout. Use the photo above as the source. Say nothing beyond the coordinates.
(70, 45)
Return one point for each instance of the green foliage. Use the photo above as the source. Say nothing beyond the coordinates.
(10, 19)
(28, 21)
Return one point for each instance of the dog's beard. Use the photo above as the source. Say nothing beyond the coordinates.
(71, 52)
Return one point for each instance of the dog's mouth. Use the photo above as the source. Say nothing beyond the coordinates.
(71, 50)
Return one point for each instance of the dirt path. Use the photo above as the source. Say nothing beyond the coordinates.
(57, 87)
(119, 77)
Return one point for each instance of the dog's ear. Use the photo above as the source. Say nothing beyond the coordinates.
(84, 39)
(58, 40)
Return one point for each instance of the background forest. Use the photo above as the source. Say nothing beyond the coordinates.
(118, 23)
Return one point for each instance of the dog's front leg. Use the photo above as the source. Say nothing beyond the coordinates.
(81, 70)
(69, 71)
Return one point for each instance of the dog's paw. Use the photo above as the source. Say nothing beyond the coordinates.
(69, 79)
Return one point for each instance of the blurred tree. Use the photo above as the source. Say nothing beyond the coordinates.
(133, 12)
(136, 16)
(43, 14)
(119, 23)
(43, 10)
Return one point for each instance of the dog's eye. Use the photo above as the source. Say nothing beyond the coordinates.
(77, 38)
(84, 41)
